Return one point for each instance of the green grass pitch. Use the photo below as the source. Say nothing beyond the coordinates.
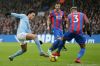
(32, 58)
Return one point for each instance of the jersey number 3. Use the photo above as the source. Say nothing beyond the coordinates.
(76, 18)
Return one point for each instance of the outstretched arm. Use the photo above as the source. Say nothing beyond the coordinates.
(17, 15)
(14, 14)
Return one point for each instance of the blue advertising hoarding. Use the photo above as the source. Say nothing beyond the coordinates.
(48, 38)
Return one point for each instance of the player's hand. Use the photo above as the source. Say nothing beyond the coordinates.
(7, 14)
(48, 28)
(89, 33)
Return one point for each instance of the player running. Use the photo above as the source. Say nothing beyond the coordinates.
(24, 33)
(56, 17)
(76, 21)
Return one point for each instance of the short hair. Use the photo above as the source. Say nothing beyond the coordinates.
(74, 7)
(30, 11)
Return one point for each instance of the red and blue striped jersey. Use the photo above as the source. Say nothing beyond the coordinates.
(56, 18)
(76, 20)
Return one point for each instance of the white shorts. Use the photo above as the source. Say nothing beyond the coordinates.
(22, 38)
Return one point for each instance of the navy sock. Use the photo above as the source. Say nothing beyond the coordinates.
(55, 45)
(61, 44)
(81, 53)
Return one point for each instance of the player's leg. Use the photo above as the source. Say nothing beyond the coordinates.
(56, 42)
(53, 47)
(37, 42)
(81, 53)
(57, 53)
(64, 48)
(19, 52)
(60, 45)
(67, 36)
(81, 41)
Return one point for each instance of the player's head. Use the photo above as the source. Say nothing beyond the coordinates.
(73, 9)
(31, 14)
(57, 6)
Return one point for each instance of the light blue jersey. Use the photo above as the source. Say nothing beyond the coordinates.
(24, 26)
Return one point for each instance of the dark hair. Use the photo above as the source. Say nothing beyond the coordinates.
(30, 11)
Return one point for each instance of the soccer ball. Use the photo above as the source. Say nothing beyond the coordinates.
(53, 58)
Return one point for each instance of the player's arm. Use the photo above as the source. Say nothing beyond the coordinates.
(14, 14)
(17, 15)
(64, 23)
(67, 22)
(48, 23)
(87, 24)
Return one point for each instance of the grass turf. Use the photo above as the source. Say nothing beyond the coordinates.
(32, 58)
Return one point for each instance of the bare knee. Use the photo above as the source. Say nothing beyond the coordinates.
(31, 36)
(24, 47)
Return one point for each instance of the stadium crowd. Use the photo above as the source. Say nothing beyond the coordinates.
(8, 25)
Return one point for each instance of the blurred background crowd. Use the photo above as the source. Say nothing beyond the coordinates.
(8, 25)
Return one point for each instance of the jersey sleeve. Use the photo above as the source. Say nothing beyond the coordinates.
(17, 15)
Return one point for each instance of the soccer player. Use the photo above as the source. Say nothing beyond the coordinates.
(24, 33)
(56, 17)
(76, 21)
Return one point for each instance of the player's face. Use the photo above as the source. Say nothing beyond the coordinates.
(31, 16)
(57, 6)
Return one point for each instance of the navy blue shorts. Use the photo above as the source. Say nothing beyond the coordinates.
(79, 38)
